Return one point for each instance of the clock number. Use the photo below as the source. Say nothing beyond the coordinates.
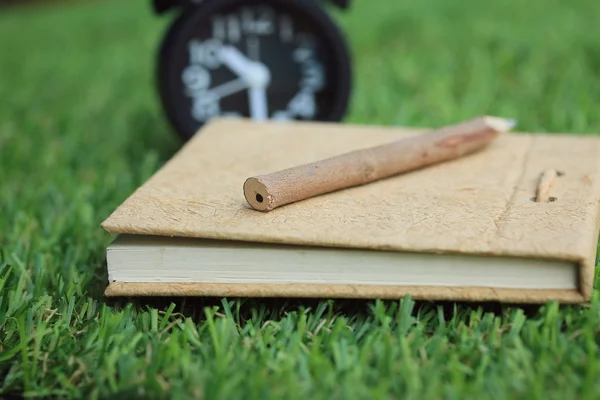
(313, 75)
(312, 70)
(226, 28)
(305, 49)
(261, 25)
(195, 78)
(205, 53)
(230, 27)
(303, 105)
(302, 54)
(205, 106)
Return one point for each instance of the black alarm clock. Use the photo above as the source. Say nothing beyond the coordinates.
(259, 59)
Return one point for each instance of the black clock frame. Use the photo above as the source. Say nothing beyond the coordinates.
(316, 11)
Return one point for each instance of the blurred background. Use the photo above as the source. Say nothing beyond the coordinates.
(84, 70)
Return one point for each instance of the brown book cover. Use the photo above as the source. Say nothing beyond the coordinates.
(478, 205)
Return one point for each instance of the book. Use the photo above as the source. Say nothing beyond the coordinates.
(469, 229)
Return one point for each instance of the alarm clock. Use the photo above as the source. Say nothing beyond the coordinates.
(260, 59)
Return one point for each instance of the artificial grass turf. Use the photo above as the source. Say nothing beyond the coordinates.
(80, 129)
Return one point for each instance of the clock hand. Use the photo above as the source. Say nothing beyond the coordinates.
(229, 88)
(257, 97)
(257, 93)
(237, 62)
(255, 73)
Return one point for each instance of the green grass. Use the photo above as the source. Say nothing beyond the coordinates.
(80, 129)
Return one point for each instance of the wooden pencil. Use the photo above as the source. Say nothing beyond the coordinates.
(359, 167)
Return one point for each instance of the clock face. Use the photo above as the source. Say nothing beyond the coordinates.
(277, 59)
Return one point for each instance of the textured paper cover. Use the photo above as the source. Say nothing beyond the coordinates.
(342, 291)
(479, 204)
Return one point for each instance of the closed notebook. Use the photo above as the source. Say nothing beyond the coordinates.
(465, 230)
